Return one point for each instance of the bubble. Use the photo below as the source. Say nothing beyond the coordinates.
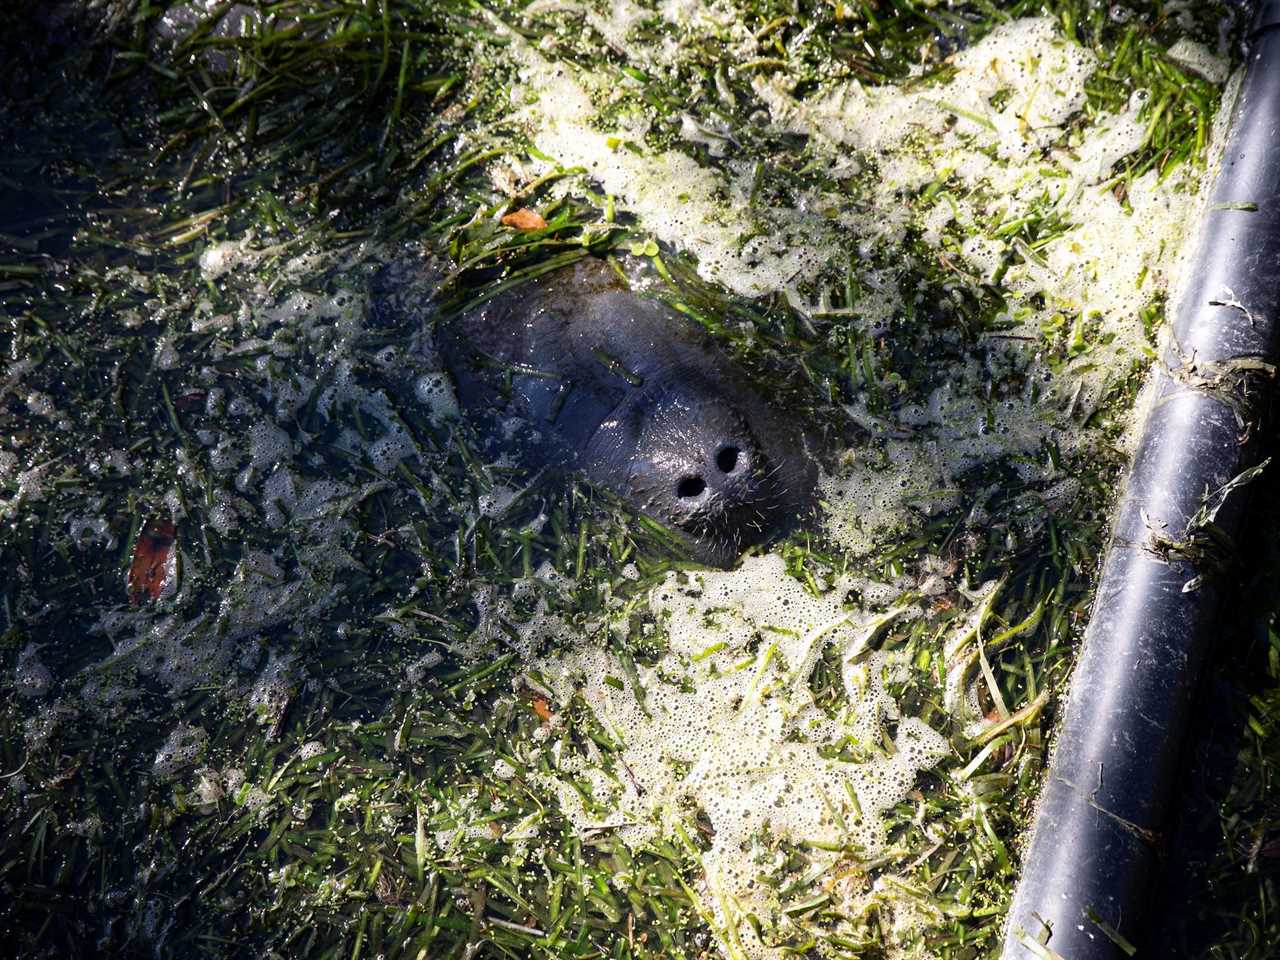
(41, 404)
(208, 789)
(729, 252)
(166, 355)
(221, 258)
(183, 745)
(727, 730)
(268, 445)
(89, 532)
(273, 688)
(225, 456)
(31, 677)
(1197, 58)
(503, 770)
(223, 516)
(435, 391)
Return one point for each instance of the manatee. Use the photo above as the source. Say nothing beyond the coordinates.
(636, 397)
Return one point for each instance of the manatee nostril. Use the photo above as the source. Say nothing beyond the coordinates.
(689, 487)
(727, 459)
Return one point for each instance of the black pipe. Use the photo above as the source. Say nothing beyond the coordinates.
(1087, 877)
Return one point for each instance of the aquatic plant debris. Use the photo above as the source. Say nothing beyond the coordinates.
(408, 698)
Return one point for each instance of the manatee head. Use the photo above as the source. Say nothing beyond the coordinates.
(700, 460)
(640, 400)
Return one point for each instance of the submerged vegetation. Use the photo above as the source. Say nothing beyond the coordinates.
(298, 663)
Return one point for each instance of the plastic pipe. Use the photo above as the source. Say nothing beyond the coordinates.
(1087, 877)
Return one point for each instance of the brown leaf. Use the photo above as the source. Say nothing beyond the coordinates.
(542, 708)
(187, 402)
(149, 571)
(524, 219)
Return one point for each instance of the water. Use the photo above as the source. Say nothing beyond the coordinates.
(350, 720)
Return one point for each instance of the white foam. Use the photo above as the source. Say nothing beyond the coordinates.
(273, 688)
(672, 195)
(1197, 58)
(184, 744)
(87, 532)
(268, 445)
(1092, 282)
(221, 258)
(435, 392)
(724, 723)
(1005, 130)
(725, 726)
(31, 677)
(41, 404)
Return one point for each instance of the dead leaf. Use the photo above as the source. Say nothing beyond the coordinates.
(62, 777)
(524, 219)
(150, 570)
(188, 402)
(542, 708)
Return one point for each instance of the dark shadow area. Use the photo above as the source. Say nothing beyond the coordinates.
(1217, 895)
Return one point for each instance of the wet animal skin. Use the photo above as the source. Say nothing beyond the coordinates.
(635, 396)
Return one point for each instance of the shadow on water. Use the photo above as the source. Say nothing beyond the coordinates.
(1219, 883)
(61, 145)
(340, 683)
(76, 163)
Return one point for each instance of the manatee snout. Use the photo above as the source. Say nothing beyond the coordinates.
(724, 480)
(691, 460)
(698, 451)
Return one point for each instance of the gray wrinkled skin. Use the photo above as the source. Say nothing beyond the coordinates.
(635, 396)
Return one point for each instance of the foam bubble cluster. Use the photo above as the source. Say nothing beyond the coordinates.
(1015, 96)
(265, 472)
(725, 727)
(669, 191)
(182, 747)
(435, 391)
(32, 678)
